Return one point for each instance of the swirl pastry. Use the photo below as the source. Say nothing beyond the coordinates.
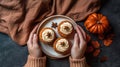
(62, 46)
(65, 29)
(47, 35)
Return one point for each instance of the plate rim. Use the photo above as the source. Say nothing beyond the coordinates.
(40, 27)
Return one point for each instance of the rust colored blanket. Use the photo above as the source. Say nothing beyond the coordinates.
(19, 17)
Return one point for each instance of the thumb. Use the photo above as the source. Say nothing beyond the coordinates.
(35, 40)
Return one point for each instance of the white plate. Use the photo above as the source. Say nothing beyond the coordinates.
(48, 50)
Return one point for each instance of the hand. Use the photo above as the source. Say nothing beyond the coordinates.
(80, 44)
(33, 46)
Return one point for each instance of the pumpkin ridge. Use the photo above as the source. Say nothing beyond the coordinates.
(92, 25)
(95, 29)
(96, 23)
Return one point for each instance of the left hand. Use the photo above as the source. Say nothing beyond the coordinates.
(33, 46)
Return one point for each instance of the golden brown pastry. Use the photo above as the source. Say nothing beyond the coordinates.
(62, 46)
(65, 29)
(47, 35)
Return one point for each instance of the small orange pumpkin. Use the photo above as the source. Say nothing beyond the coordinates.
(97, 23)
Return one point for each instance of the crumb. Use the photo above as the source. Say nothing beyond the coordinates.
(89, 49)
(103, 59)
(95, 44)
(107, 42)
(101, 37)
(96, 52)
(88, 37)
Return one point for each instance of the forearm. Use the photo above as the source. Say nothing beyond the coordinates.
(77, 62)
(36, 62)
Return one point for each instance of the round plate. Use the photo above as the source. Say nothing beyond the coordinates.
(48, 50)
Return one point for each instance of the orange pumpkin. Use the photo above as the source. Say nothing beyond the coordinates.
(97, 23)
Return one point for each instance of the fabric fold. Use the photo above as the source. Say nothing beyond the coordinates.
(18, 18)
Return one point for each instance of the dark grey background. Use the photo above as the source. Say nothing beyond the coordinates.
(13, 55)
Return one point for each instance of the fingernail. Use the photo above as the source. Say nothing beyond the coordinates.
(76, 34)
(35, 36)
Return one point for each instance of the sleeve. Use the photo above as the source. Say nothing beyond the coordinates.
(78, 62)
(36, 62)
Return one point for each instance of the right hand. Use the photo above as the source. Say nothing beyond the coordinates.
(80, 44)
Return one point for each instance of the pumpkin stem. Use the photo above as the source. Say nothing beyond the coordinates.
(98, 22)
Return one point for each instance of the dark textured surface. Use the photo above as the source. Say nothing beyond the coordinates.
(12, 55)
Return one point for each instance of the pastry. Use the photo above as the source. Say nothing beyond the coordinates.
(47, 35)
(62, 46)
(65, 29)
